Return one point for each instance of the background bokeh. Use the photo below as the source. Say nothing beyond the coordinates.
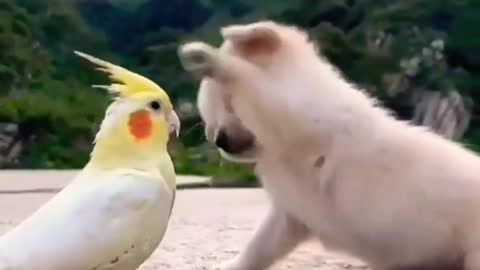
(421, 58)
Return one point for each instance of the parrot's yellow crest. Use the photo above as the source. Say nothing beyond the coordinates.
(129, 83)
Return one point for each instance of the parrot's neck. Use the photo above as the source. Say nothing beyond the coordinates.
(154, 162)
(109, 156)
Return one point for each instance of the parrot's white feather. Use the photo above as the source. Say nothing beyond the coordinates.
(93, 224)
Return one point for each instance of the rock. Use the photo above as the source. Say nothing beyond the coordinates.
(7, 135)
(14, 152)
(10, 128)
(395, 83)
(438, 44)
(10, 149)
(447, 114)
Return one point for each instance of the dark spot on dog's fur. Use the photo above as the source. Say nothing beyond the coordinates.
(319, 162)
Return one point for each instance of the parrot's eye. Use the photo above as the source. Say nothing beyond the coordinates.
(155, 105)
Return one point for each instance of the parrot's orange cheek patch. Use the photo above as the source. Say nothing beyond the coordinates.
(140, 124)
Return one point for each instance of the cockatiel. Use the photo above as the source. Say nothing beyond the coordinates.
(114, 214)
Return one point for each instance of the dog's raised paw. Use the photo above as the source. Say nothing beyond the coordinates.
(197, 58)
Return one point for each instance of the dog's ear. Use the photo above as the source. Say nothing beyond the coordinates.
(253, 39)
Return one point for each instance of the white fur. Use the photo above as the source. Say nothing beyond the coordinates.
(390, 193)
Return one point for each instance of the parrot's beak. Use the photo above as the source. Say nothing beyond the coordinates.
(174, 123)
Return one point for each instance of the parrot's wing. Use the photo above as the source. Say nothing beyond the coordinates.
(88, 225)
(174, 193)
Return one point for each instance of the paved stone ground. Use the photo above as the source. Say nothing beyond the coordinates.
(40, 181)
(207, 227)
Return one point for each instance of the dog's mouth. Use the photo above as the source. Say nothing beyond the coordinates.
(249, 156)
(240, 149)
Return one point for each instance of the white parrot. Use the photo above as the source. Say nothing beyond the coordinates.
(114, 214)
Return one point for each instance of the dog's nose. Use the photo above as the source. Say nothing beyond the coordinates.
(222, 141)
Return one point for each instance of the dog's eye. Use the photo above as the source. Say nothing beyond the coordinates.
(155, 105)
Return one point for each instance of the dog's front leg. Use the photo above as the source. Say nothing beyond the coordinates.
(278, 234)
(204, 60)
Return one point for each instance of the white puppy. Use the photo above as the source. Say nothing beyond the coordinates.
(336, 166)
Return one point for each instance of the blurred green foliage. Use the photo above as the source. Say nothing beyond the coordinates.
(45, 89)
